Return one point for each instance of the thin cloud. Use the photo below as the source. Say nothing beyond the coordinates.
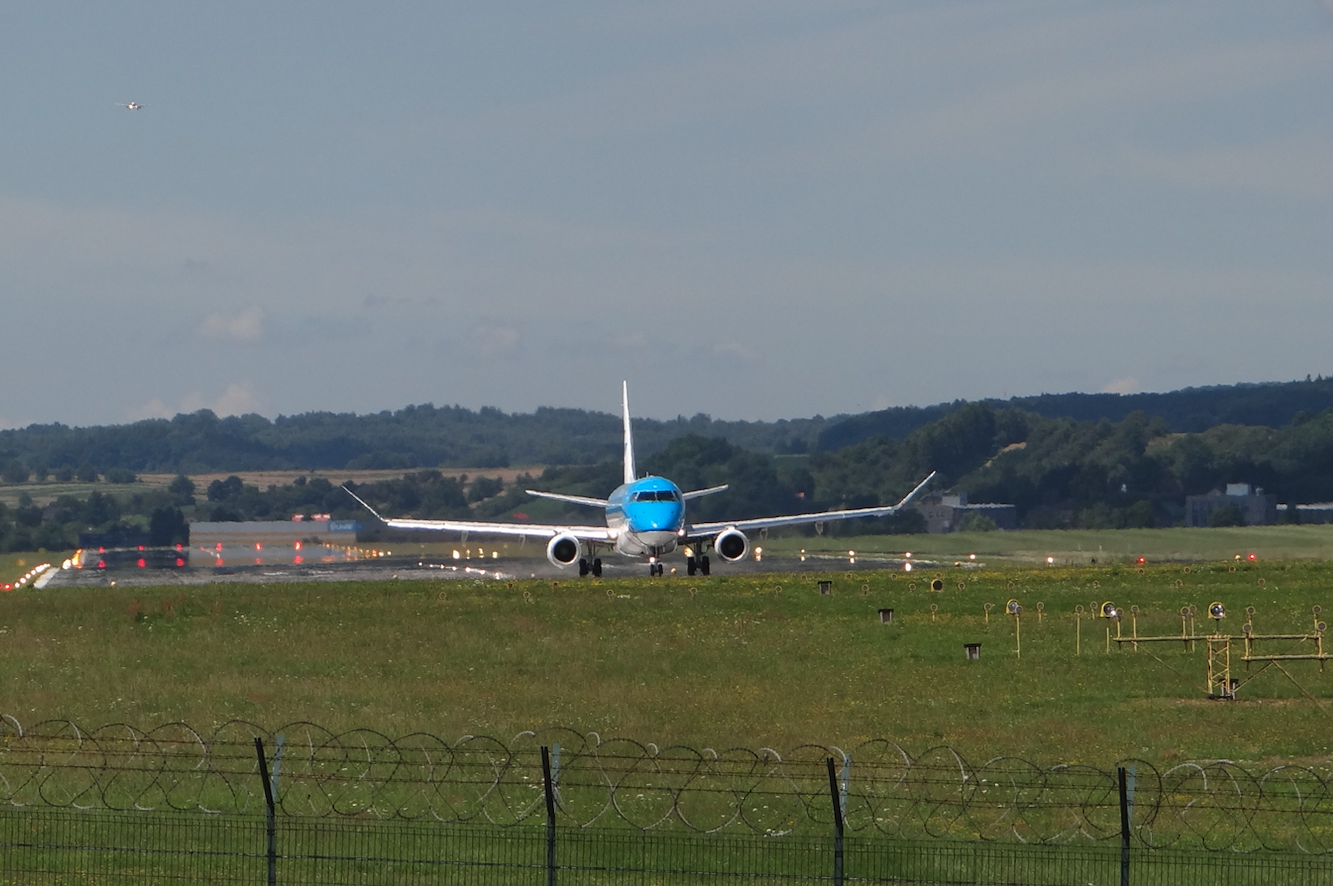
(1123, 386)
(239, 398)
(735, 350)
(247, 326)
(154, 408)
(1295, 169)
(496, 340)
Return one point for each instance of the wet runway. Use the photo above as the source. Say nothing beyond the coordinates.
(128, 571)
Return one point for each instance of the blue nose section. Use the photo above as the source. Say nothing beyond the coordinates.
(654, 516)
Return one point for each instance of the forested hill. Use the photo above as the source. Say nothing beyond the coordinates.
(451, 436)
(1191, 410)
(417, 436)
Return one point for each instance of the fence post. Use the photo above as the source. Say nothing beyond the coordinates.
(835, 799)
(1124, 827)
(272, 823)
(550, 816)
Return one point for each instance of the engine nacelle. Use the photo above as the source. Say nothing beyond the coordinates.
(731, 545)
(564, 550)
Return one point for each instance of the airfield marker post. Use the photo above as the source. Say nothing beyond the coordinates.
(835, 799)
(550, 816)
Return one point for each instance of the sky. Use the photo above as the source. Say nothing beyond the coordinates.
(754, 210)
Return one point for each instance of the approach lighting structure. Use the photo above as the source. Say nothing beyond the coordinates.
(1109, 610)
(1217, 611)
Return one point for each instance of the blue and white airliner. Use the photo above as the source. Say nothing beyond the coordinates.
(645, 518)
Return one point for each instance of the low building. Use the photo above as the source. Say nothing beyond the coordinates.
(1255, 508)
(1315, 512)
(947, 513)
(205, 534)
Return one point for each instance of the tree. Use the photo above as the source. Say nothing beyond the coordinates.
(221, 490)
(483, 488)
(15, 472)
(976, 522)
(167, 526)
(182, 489)
(87, 472)
(1226, 515)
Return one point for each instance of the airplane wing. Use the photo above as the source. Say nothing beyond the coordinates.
(532, 530)
(478, 527)
(701, 529)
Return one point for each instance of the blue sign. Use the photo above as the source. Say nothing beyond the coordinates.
(344, 526)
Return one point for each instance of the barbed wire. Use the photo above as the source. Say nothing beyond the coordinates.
(883, 788)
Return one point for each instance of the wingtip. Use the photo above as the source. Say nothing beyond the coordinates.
(362, 502)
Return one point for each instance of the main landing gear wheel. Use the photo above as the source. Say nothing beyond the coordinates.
(703, 565)
(691, 565)
(597, 567)
(583, 566)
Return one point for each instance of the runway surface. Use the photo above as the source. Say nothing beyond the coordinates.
(401, 569)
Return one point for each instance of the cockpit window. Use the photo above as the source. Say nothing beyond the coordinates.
(656, 495)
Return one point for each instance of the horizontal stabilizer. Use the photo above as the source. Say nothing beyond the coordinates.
(700, 493)
(575, 499)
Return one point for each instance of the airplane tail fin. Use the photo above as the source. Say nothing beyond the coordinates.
(630, 476)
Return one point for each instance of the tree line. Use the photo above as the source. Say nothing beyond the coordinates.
(427, 436)
(1058, 472)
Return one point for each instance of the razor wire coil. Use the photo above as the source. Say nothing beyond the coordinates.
(938, 793)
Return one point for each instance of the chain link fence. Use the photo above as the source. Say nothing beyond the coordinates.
(303, 805)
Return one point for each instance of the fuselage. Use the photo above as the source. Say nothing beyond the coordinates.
(647, 517)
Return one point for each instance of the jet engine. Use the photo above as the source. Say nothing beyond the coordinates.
(731, 545)
(564, 550)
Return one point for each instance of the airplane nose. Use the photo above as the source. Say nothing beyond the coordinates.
(666, 519)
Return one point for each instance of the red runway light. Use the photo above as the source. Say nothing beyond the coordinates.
(1142, 561)
(180, 562)
(1252, 557)
(141, 563)
(101, 564)
(299, 559)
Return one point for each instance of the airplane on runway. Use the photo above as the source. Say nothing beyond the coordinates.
(645, 518)
(131, 106)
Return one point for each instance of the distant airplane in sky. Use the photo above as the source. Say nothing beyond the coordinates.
(645, 518)
(133, 106)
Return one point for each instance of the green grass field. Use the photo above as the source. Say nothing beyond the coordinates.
(760, 660)
(1082, 546)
